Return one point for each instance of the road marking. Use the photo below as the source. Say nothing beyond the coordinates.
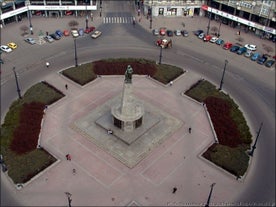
(118, 20)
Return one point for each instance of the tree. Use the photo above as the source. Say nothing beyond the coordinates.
(24, 28)
(214, 29)
(267, 48)
(73, 23)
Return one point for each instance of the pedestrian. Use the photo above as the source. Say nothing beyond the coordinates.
(171, 83)
(47, 64)
(74, 171)
(190, 130)
(174, 190)
(47, 33)
(66, 86)
(68, 157)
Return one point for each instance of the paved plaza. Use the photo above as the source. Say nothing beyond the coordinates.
(101, 178)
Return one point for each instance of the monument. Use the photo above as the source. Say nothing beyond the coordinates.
(127, 125)
(128, 115)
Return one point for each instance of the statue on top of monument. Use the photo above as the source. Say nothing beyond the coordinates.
(128, 74)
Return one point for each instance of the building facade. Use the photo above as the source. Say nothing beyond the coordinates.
(14, 11)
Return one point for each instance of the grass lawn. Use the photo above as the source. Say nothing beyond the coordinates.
(22, 167)
(233, 159)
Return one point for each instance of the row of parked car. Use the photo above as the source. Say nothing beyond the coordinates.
(247, 50)
(163, 31)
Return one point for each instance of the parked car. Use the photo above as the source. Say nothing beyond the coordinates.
(12, 45)
(91, 29)
(1, 61)
(234, 48)
(81, 31)
(255, 56)
(59, 33)
(162, 31)
(207, 38)
(177, 32)
(200, 36)
(241, 51)
(49, 39)
(96, 34)
(261, 60)
(248, 53)
(269, 63)
(67, 13)
(198, 32)
(219, 41)
(5, 48)
(185, 33)
(227, 45)
(170, 33)
(55, 36)
(155, 32)
(251, 47)
(213, 39)
(66, 33)
(74, 32)
(30, 40)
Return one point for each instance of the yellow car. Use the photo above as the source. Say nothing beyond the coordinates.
(12, 45)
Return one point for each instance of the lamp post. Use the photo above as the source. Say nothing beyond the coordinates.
(210, 194)
(69, 198)
(17, 85)
(76, 56)
(219, 27)
(254, 146)
(151, 15)
(160, 56)
(30, 21)
(100, 8)
(208, 27)
(221, 82)
(86, 20)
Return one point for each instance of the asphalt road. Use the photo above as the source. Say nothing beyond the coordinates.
(251, 87)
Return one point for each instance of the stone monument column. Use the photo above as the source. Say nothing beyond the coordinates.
(129, 114)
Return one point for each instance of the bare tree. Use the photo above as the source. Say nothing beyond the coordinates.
(214, 29)
(24, 28)
(73, 23)
(240, 39)
(267, 48)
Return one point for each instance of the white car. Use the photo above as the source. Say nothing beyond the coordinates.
(251, 47)
(96, 34)
(75, 32)
(30, 40)
(5, 48)
(177, 32)
(213, 39)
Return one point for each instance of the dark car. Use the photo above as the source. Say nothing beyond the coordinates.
(81, 31)
(234, 48)
(55, 36)
(185, 33)
(170, 33)
(261, 60)
(241, 51)
(59, 33)
(1, 61)
(269, 63)
(219, 41)
(198, 32)
(255, 56)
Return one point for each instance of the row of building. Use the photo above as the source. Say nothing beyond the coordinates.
(256, 16)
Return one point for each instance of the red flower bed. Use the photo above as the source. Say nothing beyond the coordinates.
(25, 136)
(226, 129)
(119, 68)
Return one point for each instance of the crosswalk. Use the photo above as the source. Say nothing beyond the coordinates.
(118, 20)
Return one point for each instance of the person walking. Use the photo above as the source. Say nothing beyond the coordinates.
(174, 190)
(190, 130)
(47, 64)
(66, 86)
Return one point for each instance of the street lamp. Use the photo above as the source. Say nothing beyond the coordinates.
(221, 82)
(210, 194)
(160, 56)
(151, 15)
(100, 8)
(208, 27)
(17, 85)
(76, 56)
(254, 146)
(30, 21)
(86, 20)
(69, 198)
(219, 27)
